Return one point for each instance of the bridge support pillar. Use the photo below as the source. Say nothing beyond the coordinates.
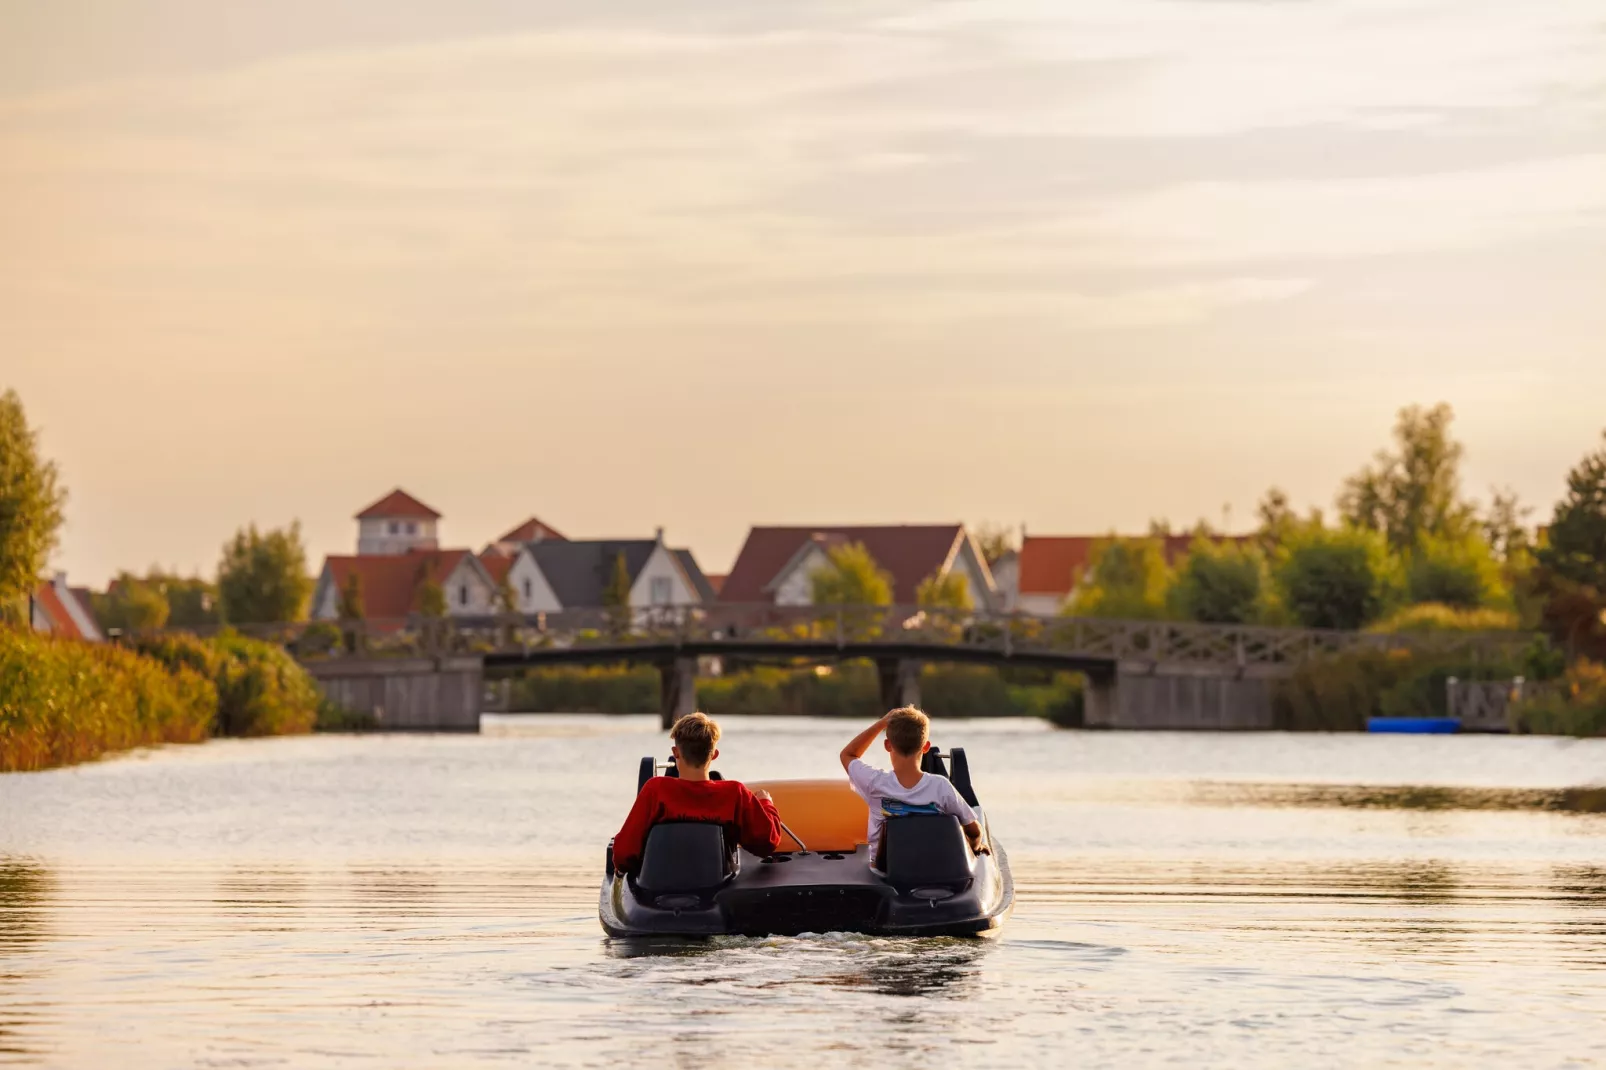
(677, 690)
(900, 682)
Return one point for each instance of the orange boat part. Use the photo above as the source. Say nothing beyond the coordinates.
(826, 814)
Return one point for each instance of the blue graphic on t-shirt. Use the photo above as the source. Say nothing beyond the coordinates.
(896, 808)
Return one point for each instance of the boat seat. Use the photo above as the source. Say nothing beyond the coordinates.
(918, 849)
(685, 856)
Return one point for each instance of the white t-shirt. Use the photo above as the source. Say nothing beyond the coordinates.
(880, 788)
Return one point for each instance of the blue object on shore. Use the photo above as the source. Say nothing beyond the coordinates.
(1414, 725)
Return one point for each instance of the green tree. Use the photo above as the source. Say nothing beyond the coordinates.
(1571, 577)
(1126, 579)
(1277, 519)
(948, 590)
(351, 606)
(31, 501)
(263, 576)
(851, 577)
(131, 604)
(1575, 548)
(507, 599)
(1336, 578)
(1456, 571)
(1415, 491)
(616, 595)
(430, 600)
(1220, 583)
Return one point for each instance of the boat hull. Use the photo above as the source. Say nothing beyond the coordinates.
(814, 892)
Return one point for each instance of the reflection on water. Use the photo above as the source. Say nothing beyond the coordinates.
(1246, 901)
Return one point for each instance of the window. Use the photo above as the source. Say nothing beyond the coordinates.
(393, 527)
(528, 587)
(462, 594)
(412, 528)
(662, 590)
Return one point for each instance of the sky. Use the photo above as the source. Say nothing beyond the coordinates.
(700, 264)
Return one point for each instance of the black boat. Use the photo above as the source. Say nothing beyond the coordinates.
(692, 881)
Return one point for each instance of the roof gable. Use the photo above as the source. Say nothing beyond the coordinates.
(532, 530)
(390, 582)
(578, 571)
(398, 503)
(909, 552)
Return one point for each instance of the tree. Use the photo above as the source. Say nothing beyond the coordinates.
(994, 541)
(263, 576)
(1575, 549)
(947, 590)
(1505, 526)
(430, 600)
(507, 599)
(851, 577)
(1572, 564)
(1126, 578)
(132, 604)
(1336, 578)
(616, 595)
(1277, 519)
(1220, 583)
(1414, 492)
(1460, 572)
(31, 501)
(351, 607)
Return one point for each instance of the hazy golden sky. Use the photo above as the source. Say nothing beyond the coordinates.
(702, 263)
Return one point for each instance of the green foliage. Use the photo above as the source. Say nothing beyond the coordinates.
(616, 594)
(851, 577)
(1436, 617)
(156, 600)
(31, 501)
(335, 718)
(319, 640)
(1339, 693)
(849, 690)
(1414, 492)
(1336, 578)
(1126, 579)
(261, 691)
(507, 599)
(430, 600)
(263, 577)
(1455, 570)
(950, 590)
(1575, 549)
(63, 701)
(1220, 583)
(1575, 706)
(351, 604)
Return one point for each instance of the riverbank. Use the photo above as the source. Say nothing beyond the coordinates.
(64, 701)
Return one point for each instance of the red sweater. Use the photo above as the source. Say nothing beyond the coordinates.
(751, 822)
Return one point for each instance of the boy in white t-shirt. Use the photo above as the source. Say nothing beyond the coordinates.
(906, 788)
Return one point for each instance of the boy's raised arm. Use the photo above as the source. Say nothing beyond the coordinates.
(861, 743)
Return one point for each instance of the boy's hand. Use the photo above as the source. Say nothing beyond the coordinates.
(763, 796)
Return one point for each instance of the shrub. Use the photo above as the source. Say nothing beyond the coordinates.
(1220, 583)
(1338, 694)
(1457, 572)
(1574, 706)
(1126, 579)
(606, 689)
(1435, 617)
(63, 701)
(1336, 578)
(261, 691)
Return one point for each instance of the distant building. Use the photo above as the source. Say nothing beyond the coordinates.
(398, 523)
(574, 574)
(776, 564)
(62, 610)
(532, 530)
(1006, 578)
(391, 584)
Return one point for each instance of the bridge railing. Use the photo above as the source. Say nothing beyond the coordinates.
(813, 630)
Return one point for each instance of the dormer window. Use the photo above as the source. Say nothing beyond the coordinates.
(462, 594)
(528, 588)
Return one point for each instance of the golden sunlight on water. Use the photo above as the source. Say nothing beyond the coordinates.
(431, 901)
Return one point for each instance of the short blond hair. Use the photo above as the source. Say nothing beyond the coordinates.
(696, 734)
(907, 730)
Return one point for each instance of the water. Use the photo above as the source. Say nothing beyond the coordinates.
(1244, 900)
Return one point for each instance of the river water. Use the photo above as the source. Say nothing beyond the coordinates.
(1243, 900)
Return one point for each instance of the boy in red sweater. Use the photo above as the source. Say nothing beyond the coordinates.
(749, 817)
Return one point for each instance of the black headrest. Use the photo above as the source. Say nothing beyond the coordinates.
(684, 856)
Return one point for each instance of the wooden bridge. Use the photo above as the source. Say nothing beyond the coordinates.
(1156, 674)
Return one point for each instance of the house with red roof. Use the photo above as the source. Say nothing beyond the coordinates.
(62, 610)
(776, 564)
(391, 585)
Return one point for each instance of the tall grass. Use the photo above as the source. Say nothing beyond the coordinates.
(1437, 617)
(63, 701)
(1575, 705)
